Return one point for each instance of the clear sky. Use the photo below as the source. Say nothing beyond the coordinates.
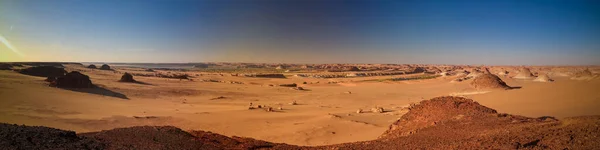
(503, 32)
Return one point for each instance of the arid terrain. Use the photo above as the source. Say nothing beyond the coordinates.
(347, 106)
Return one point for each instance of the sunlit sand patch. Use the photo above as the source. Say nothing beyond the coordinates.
(468, 93)
(347, 84)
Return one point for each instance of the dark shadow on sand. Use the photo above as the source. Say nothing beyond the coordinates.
(514, 87)
(99, 91)
(137, 82)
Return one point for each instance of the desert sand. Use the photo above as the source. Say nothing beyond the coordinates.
(324, 113)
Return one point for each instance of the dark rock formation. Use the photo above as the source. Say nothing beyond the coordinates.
(127, 78)
(74, 79)
(44, 71)
(92, 66)
(37, 137)
(289, 85)
(4, 66)
(51, 79)
(105, 67)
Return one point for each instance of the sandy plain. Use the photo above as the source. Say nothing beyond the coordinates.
(325, 112)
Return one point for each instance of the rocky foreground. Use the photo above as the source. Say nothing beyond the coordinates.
(439, 123)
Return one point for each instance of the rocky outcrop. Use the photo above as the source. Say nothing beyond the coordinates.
(44, 71)
(437, 110)
(489, 81)
(4, 66)
(583, 75)
(525, 73)
(14, 136)
(543, 78)
(74, 79)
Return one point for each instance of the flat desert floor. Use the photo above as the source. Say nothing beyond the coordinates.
(325, 112)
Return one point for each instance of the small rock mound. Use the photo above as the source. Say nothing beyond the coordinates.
(377, 110)
(127, 78)
(92, 66)
(489, 81)
(436, 110)
(525, 73)
(105, 67)
(44, 71)
(74, 79)
(543, 78)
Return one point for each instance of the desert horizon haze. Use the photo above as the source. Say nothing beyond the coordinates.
(299, 74)
(508, 32)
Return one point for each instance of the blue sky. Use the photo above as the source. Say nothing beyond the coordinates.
(505, 32)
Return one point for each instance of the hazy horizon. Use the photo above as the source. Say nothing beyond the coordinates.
(507, 32)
